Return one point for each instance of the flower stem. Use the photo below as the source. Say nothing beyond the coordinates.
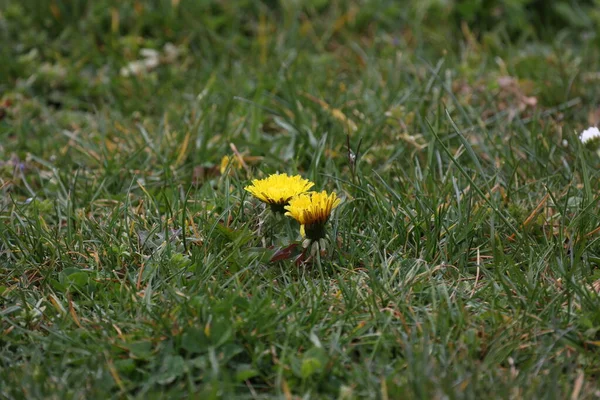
(320, 266)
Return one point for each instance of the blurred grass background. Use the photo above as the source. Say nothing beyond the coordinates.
(466, 251)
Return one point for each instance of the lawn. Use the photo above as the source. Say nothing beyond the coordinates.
(462, 261)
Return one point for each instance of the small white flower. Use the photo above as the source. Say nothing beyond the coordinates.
(150, 60)
(590, 137)
(149, 53)
(134, 68)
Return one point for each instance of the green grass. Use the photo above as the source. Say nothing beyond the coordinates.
(463, 256)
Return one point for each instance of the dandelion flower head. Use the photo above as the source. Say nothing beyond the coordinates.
(232, 163)
(312, 211)
(277, 189)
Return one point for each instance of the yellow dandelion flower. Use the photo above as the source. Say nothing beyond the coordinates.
(277, 189)
(232, 163)
(312, 211)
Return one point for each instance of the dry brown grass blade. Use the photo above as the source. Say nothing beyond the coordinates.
(536, 210)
